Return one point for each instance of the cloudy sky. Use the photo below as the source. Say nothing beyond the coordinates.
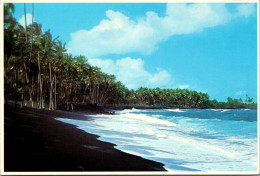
(204, 47)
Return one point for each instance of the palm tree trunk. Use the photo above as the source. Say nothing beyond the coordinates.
(32, 33)
(25, 21)
(67, 97)
(97, 94)
(55, 91)
(51, 90)
(40, 83)
(103, 96)
(43, 100)
(38, 92)
(22, 98)
(70, 94)
(31, 93)
(17, 92)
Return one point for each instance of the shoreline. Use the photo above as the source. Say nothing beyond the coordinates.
(122, 107)
(35, 141)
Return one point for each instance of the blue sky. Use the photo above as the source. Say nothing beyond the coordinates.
(204, 47)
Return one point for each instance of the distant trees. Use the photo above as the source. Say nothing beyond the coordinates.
(248, 99)
(167, 97)
(234, 103)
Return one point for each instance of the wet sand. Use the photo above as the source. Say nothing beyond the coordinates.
(35, 141)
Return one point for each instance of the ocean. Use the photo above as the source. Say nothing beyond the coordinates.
(183, 140)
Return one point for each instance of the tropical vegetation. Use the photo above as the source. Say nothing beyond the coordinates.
(39, 72)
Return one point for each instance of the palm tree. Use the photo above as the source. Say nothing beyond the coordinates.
(59, 53)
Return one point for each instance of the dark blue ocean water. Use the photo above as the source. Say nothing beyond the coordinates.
(223, 123)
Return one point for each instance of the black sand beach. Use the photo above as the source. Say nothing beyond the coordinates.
(35, 141)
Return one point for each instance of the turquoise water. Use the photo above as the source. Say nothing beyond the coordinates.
(183, 140)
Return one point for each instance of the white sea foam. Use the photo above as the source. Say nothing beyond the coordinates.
(204, 145)
(175, 110)
(158, 135)
(129, 110)
(149, 119)
(152, 137)
(132, 116)
(214, 109)
(224, 110)
(157, 116)
(161, 136)
(221, 110)
(150, 132)
(101, 115)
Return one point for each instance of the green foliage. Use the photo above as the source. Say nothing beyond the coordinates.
(168, 97)
(38, 69)
(234, 103)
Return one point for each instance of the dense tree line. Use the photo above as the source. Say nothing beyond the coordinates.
(234, 103)
(38, 71)
(183, 98)
(166, 97)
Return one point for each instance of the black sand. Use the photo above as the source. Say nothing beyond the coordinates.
(35, 141)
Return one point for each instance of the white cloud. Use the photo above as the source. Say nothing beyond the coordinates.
(107, 65)
(184, 86)
(246, 9)
(132, 73)
(162, 76)
(28, 19)
(118, 34)
(241, 92)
